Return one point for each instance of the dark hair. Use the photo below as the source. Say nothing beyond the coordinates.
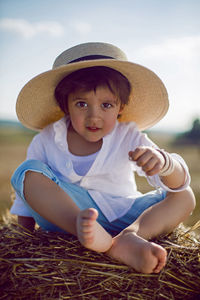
(89, 79)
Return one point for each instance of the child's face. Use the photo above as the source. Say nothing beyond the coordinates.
(93, 114)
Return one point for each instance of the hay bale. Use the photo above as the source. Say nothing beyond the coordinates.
(55, 266)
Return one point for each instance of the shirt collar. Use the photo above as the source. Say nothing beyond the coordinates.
(60, 129)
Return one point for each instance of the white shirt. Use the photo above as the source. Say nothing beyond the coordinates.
(82, 164)
(110, 179)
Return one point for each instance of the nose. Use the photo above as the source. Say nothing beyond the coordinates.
(94, 113)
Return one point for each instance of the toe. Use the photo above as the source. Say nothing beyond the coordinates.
(159, 267)
(86, 222)
(161, 254)
(90, 213)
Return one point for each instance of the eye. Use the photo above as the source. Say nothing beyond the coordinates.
(106, 105)
(81, 104)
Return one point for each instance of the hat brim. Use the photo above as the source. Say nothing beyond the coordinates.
(36, 105)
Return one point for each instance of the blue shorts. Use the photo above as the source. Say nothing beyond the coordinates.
(82, 199)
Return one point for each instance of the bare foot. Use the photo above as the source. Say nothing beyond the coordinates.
(136, 252)
(90, 233)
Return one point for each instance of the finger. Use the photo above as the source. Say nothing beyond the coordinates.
(155, 170)
(134, 155)
(145, 159)
(150, 164)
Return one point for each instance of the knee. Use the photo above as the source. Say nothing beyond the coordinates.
(192, 198)
(30, 169)
(30, 175)
(20, 172)
(31, 181)
(189, 199)
(184, 199)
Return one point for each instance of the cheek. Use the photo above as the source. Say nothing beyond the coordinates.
(111, 120)
(76, 120)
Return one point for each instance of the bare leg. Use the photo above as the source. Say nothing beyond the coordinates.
(131, 245)
(53, 204)
(50, 201)
(163, 217)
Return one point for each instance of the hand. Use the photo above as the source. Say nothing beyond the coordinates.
(149, 159)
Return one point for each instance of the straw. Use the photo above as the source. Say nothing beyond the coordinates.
(43, 265)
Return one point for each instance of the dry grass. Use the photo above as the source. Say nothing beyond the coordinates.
(55, 266)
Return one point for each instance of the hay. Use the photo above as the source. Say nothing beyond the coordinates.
(55, 266)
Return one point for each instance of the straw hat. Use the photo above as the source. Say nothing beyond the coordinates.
(37, 107)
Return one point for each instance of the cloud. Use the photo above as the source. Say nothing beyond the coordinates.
(28, 30)
(182, 48)
(81, 27)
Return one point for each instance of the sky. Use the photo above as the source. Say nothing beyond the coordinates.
(163, 36)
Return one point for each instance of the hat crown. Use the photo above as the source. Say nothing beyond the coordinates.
(88, 50)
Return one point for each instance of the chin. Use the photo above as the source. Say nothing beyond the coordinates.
(93, 139)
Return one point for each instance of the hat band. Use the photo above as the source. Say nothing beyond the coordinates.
(91, 57)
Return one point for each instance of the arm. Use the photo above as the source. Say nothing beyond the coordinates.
(27, 222)
(152, 162)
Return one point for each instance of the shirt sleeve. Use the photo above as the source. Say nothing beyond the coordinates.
(141, 139)
(36, 149)
(157, 182)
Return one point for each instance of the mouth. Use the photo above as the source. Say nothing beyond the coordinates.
(93, 129)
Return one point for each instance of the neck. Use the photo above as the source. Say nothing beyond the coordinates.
(79, 146)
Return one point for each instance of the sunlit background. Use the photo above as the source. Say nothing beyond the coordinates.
(161, 35)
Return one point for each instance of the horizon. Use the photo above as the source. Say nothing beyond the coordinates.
(160, 35)
(152, 129)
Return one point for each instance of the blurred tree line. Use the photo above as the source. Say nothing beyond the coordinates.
(191, 137)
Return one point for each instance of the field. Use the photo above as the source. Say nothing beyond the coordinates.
(14, 142)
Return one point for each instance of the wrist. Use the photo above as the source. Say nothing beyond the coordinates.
(169, 165)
